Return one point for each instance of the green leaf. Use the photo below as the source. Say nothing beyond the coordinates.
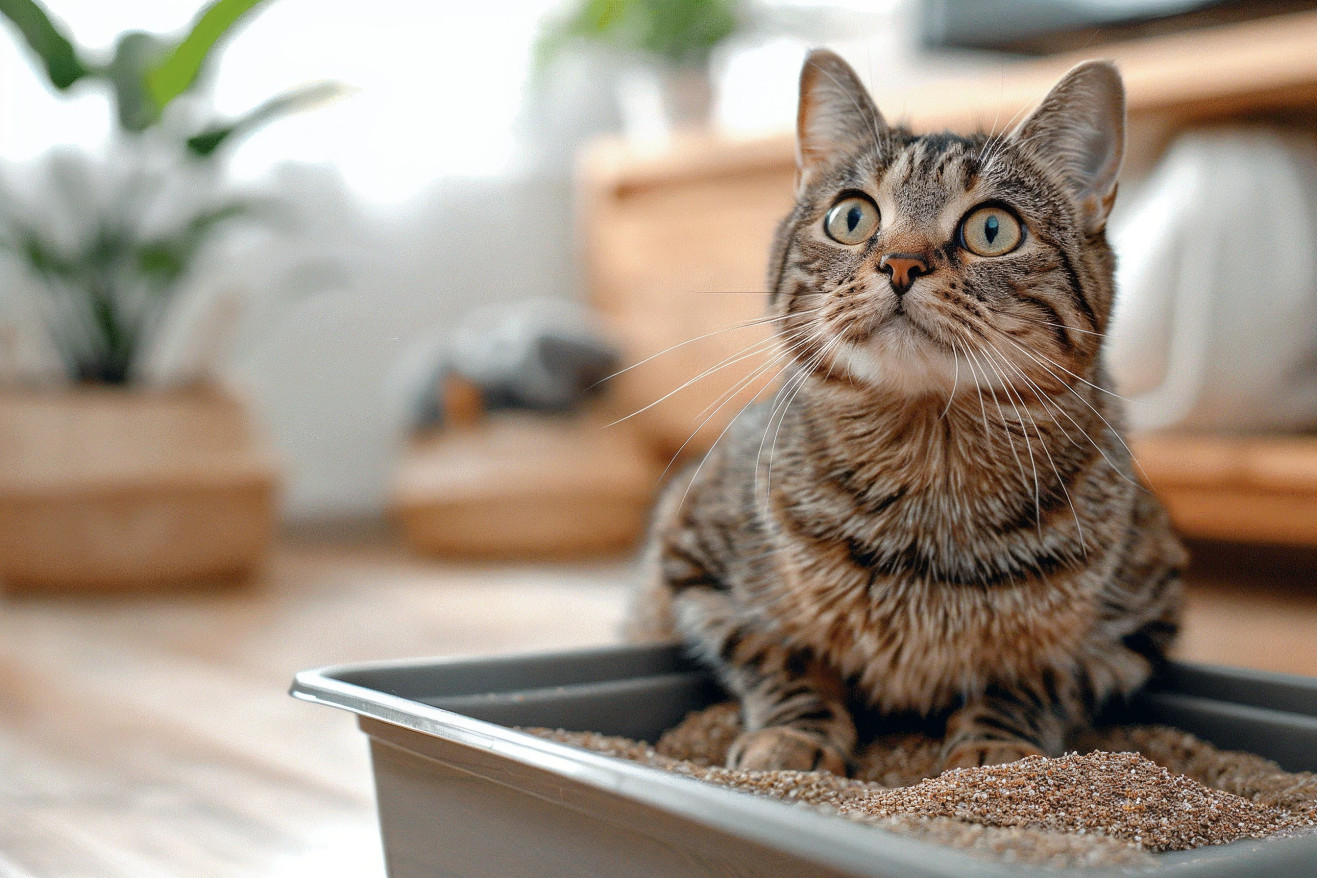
(682, 32)
(178, 70)
(292, 101)
(166, 260)
(63, 66)
(134, 54)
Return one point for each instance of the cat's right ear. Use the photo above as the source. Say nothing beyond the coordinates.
(836, 115)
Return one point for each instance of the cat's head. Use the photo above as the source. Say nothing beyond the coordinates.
(916, 263)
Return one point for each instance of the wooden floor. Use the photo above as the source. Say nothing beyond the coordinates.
(151, 736)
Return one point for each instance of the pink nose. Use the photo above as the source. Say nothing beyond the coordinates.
(903, 269)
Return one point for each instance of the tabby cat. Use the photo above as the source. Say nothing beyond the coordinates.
(936, 515)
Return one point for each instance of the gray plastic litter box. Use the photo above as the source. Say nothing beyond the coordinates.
(462, 794)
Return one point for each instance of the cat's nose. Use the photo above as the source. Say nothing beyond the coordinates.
(902, 268)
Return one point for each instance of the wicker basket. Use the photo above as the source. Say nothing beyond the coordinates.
(117, 489)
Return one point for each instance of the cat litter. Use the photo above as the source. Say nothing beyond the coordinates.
(1097, 808)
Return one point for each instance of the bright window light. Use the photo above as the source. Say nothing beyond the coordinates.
(438, 85)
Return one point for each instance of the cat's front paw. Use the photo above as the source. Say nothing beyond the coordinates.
(784, 748)
(974, 753)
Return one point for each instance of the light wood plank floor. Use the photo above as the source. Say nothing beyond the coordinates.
(151, 735)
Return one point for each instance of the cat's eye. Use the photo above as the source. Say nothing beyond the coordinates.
(851, 220)
(991, 231)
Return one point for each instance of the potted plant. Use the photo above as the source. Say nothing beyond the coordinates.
(667, 45)
(109, 479)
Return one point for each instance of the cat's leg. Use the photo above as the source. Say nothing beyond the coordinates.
(1006, 723)
(793, 707)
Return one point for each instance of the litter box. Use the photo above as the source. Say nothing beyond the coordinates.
(462, 794)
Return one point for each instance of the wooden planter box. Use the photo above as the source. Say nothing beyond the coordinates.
(115, 489)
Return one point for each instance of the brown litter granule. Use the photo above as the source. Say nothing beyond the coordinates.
(1118, 794)
(1103, 806)
(1021, 844)
(1244, 774)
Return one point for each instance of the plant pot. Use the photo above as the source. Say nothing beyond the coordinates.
(104, 488)
(517, 485)
(657, 100)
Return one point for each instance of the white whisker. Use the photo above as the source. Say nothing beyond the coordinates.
(758, 321)
(1083, 548)
(753, 350)
(955, 383)
(1091, 407)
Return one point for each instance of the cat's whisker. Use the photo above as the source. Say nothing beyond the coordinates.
(745, 382)
(709, 453)
(729, 395)
(1098, 447)
(1083, 547)
(955, 383)
(978, 389)
(780, 357)
(750, 351)
(798, 377)
(1049, 405)
(976, 369)
(1112, 430)
(778, 413)
(806, 373)
(1024, 432)
(1045, 399)
(778, 361)
(746, 353)
(758, 321)
(776, 358)
(1002, 413)
(1027, 353)
(1067, 328)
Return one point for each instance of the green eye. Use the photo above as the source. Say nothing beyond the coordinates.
(851, 220)
(991, 231)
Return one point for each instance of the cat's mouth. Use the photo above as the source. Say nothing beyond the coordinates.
(901, 321)
(899, 350)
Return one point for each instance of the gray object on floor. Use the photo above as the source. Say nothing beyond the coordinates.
(538, 355)
(461, 794)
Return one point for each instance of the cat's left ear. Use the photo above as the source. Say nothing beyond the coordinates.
(836, 116)
(1080, 128)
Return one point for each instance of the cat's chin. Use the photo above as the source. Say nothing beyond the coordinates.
(903, 358)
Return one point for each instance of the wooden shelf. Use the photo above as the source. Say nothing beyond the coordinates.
(1247, 489)
(1221, 72)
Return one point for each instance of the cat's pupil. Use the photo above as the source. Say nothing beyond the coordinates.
(990, 228)
(853, 218)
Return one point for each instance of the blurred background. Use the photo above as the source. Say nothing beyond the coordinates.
(306, 309)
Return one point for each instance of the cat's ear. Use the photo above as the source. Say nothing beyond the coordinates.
(1080, 129)
(836, 114)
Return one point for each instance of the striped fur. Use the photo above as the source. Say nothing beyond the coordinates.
(937, 513)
